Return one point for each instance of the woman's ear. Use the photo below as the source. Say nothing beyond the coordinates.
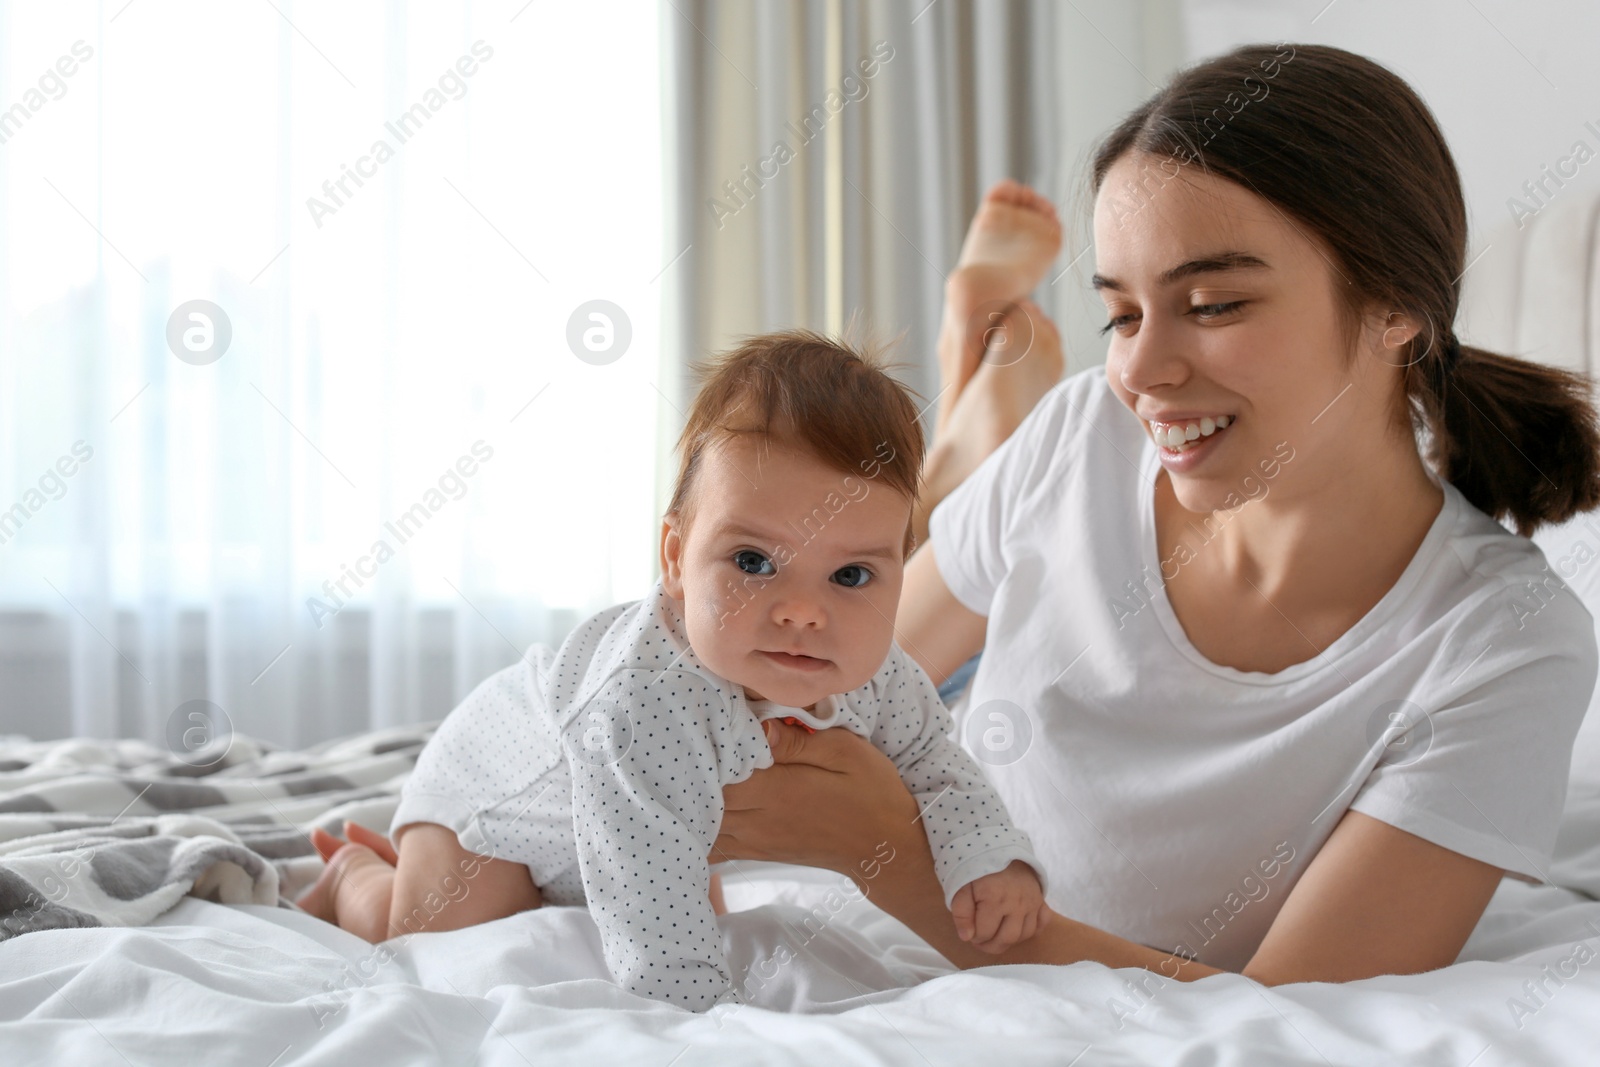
(1390, 332)
(672, 556)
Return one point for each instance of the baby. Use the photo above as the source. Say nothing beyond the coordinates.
(600, 765)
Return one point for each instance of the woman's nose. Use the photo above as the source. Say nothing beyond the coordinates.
(1150, 360)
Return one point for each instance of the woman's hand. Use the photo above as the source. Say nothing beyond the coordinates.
(832, 800)
(829, 800)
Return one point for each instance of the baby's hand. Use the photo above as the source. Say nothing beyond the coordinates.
(998, 910)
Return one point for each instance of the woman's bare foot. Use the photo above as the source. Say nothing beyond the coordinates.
(1015, 236)
(1013, 239)
(997, 398)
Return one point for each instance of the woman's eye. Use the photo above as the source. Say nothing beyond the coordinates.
(1211, 311)
(1116, 323)
(853, 576)
(1200, 311)
(752, 562)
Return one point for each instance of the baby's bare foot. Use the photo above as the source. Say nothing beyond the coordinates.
(326, 844)
(352, 889)
(377, 842)
(1014, 238)
(319, 899)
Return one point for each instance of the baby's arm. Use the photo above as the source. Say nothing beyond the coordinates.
(646, 809)
(967, 825)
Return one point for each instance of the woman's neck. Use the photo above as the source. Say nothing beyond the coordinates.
(1328, 530)
(1280, 579)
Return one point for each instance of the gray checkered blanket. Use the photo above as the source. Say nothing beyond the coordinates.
(113, 833)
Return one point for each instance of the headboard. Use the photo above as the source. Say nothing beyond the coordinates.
(1535, 293)
(1533, 290)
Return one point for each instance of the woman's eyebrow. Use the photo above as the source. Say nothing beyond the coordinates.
(1211, 264)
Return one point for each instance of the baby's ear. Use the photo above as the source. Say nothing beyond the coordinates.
(672, 556)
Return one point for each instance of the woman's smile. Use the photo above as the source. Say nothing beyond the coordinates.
(1178, 432)
(1184, 444)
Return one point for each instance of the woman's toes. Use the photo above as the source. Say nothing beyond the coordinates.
(1017, 235)
(1007, 190)
(1011, 191)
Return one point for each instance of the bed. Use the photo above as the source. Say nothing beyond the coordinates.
(159, 928)
(226, 966)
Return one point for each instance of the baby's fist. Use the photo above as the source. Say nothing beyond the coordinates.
(1000, 909)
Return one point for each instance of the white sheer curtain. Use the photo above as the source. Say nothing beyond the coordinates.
(398, 472)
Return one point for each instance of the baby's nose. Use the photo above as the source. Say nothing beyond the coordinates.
(798, 611)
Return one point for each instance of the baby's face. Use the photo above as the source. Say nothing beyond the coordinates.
(789, 573)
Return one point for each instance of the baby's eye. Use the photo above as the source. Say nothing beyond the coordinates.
(752, 562)
(853, 577)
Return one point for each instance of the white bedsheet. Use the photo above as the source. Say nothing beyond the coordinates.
(258, 986)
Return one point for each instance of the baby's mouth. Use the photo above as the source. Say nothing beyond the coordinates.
(795, 661)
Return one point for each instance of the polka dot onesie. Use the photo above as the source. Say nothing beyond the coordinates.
(601, 765)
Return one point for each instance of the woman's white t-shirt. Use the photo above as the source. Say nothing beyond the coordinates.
(1175, 802)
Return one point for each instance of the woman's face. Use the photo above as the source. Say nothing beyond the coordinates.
(1226, 335)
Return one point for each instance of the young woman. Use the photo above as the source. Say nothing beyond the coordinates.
(1269, 693)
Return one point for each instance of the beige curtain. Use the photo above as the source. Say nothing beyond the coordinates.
(825, 156)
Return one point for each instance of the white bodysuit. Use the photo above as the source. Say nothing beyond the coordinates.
(601, 765)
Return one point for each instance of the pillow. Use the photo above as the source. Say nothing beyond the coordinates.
(1573, 552)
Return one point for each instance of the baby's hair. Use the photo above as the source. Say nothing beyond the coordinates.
(830, 397)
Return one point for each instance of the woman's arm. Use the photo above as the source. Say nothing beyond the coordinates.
(1375, 899)
(862, 822)
(934, 628)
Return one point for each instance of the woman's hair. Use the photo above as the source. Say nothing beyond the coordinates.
(829, 397)
(1345, 148)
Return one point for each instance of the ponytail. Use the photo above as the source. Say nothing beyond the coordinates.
(1518, 439)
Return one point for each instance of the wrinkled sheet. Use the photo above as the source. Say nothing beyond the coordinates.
(843, 983)
(828, 978)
